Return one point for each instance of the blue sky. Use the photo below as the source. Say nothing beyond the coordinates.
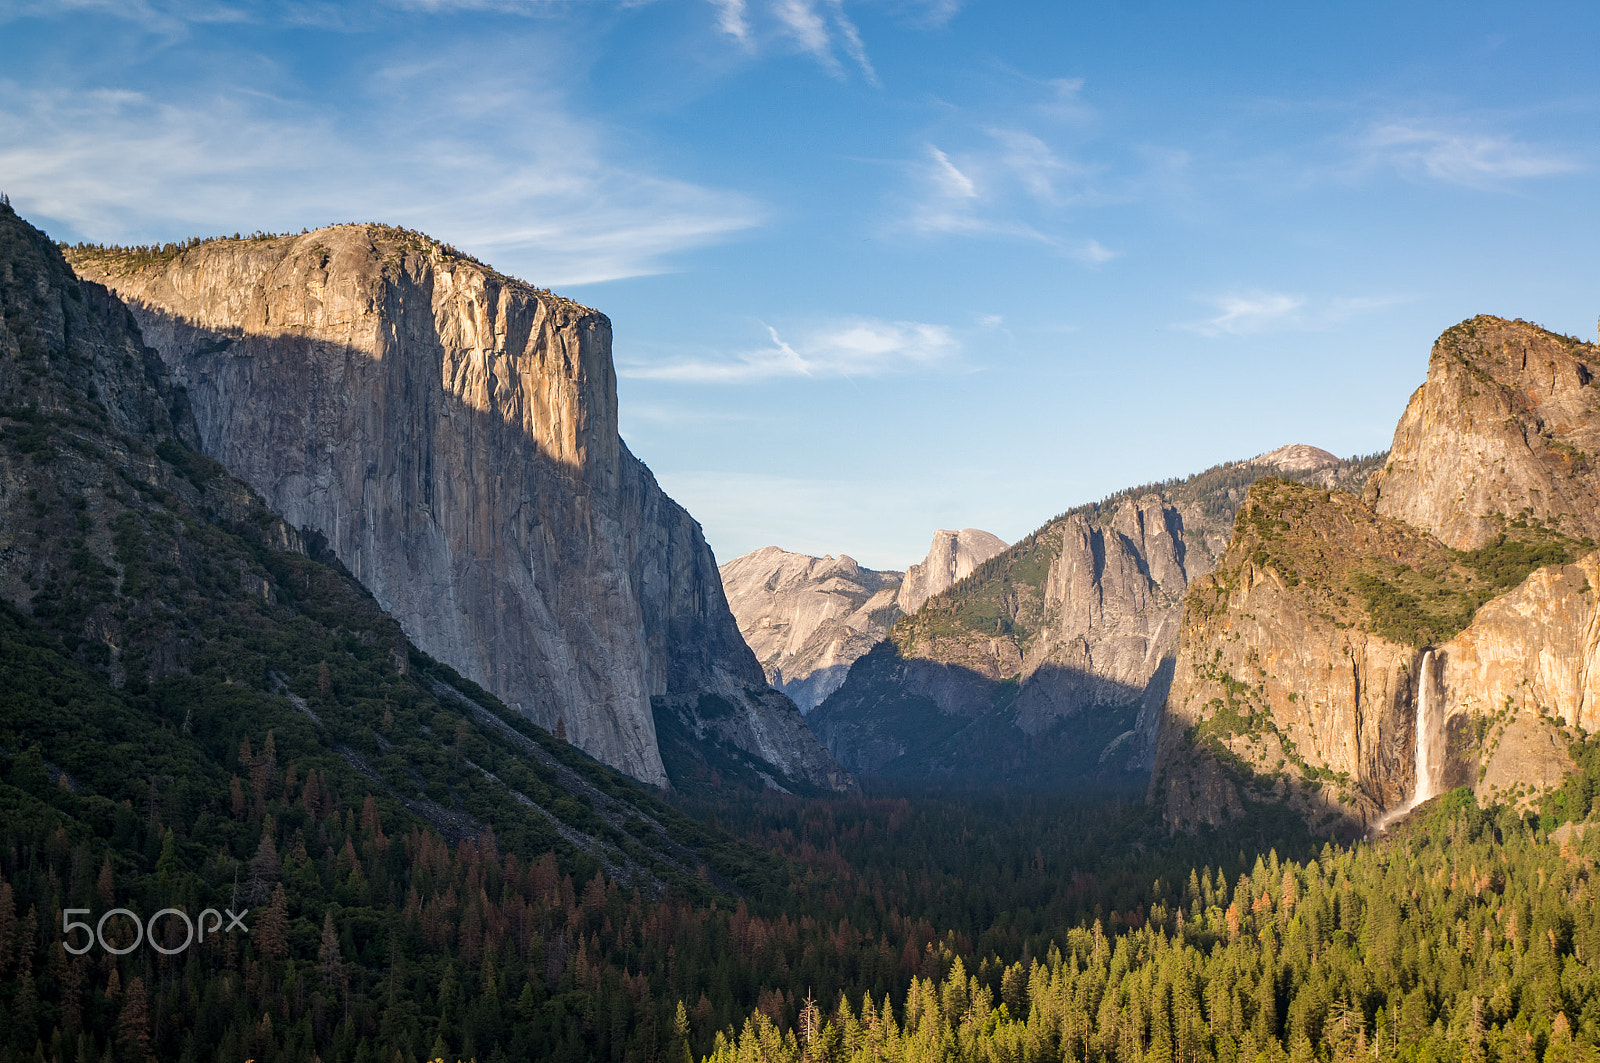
(880, 267)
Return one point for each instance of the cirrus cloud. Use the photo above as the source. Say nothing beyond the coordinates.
(1253, 311)
(541, 195)
(848, 348)
(819, 29)
(1466, 158)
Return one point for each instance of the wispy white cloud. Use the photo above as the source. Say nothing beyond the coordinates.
(1030, 162)
(948, 180)
(1250, 312)
(1093, 251)
(1466, 158)
(543, 196)
(732, 20)
(851, 348)
(821, 29)
(806, 28)
(509, 7)
(1253, 311)
(938, 13)
(951, 201)
(1061, 100)
(1015, 187)
(163, 19)
(854, 47)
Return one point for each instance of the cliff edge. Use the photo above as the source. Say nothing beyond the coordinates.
(452, 432)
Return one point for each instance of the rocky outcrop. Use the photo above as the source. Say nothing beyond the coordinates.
(808, 618)
(1294, 685)
(156, 613)
(952, 556)
(1112, 597)
(1532, 651)
(1526, 669)
(1065, 643)
(1282, 690)
(1354, 659)
(1507, 426)
(453, 434)
(1297, 458)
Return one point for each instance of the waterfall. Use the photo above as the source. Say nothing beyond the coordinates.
(1428, 758)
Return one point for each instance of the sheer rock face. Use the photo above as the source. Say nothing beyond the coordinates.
(1113, 597)
(453, 434)
(1507, 424)
(952, 556)
(1530, 659)
(1096, 626)
(808, 618)
(1534, 649)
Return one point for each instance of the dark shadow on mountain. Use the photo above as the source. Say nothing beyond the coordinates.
(907, 722)
(699, 757)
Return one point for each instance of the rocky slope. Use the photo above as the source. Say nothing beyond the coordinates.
(809, 618)
(453, 434)
(1352, 663)
(1049, 663)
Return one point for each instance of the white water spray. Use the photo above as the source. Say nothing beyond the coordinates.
(1428, 758)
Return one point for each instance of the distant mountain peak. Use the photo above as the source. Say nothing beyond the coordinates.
(808, 619)
(952, 556)
(1297, 457)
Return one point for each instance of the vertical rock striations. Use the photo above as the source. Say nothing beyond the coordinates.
(453, 434)
(808, 618)
(1283, 679)
(1530, 661)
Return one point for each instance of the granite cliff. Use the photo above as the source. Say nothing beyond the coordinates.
(1049, 663)
(156, 616)
(1355, 658)
(809, 618)
(452, 432)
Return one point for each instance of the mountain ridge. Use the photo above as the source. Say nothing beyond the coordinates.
(808, 619)
(1073, 626)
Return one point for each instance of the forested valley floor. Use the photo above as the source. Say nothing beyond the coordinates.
(884, 928)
